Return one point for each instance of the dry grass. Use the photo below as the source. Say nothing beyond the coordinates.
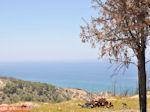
(72, 106)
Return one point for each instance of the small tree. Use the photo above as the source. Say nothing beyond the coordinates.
(121, 30)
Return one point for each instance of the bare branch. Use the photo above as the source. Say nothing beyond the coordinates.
(147, 61)
(130, 62)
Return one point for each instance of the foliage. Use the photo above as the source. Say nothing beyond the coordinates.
(18, 90)
(121, 29)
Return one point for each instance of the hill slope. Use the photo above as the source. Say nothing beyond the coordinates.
(14, 90)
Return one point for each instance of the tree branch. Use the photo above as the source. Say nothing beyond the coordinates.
(124, 61)
(147, 61)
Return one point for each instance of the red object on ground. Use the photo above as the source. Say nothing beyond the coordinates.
(23, 108)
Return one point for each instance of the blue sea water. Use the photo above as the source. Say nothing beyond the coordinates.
(93, 76)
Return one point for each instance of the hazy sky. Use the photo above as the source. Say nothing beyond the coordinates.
(44, 30)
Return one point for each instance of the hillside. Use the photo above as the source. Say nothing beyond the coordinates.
(48, 98)
(14, 90)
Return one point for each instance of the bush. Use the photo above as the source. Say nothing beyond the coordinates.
(10, 89)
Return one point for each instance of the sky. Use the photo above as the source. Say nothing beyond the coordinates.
(44, 30)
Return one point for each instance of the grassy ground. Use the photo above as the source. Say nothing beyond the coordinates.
(72, 106)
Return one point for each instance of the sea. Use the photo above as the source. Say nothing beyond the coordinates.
(92, 76)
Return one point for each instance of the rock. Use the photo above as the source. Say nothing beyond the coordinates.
(124, 105)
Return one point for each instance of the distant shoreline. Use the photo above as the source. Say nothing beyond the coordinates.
(111, 92)
(92, 76)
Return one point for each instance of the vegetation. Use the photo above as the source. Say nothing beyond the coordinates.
(72, 106)
(121, 30)
(18, 90)
(48, 98)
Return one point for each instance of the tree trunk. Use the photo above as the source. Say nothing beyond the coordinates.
(142, 81)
